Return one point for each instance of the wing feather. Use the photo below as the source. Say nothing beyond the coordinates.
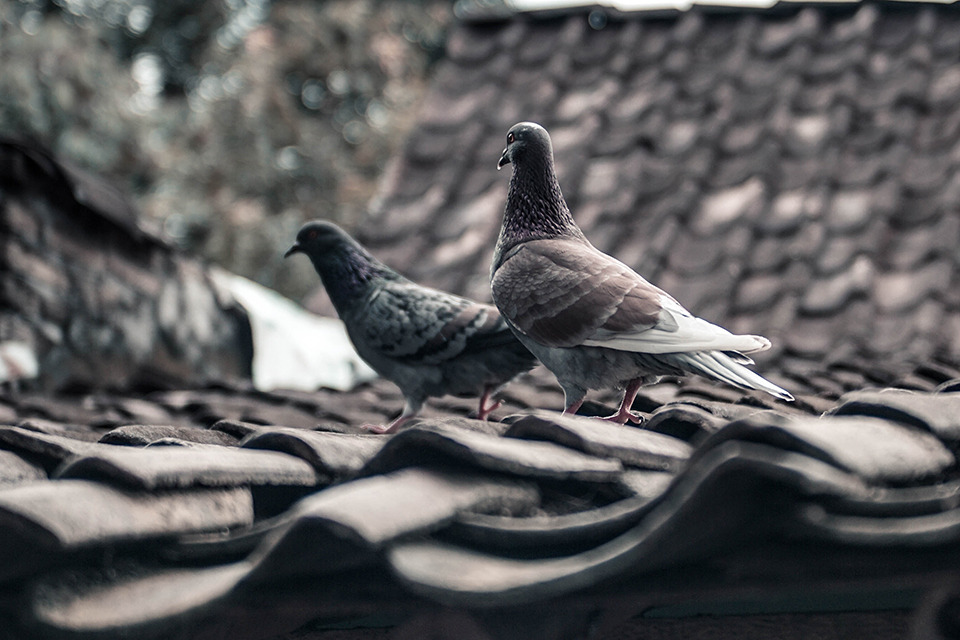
(418, 325)
(566, 293)
(561, 292)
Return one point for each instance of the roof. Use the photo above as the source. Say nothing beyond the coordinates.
(785, 174)
(314, 521)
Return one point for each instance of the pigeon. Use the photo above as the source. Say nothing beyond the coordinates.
(427, 342)
(589, 318)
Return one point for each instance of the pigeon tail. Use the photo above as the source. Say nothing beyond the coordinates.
(722, 367)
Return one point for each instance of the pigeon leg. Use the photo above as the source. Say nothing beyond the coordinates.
(572, 398)
(573, 408)
(484, 411)
(624, 414)
(386, 428)
(410, 409)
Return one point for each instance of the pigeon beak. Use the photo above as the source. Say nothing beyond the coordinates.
(296, 248)
(504, 159)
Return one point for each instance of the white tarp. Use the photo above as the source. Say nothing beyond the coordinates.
(293, 348)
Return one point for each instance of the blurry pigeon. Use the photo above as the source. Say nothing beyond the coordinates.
(589, 318)
(427, 342)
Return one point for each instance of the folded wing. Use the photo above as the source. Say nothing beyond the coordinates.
(418, 325)
(566, 293)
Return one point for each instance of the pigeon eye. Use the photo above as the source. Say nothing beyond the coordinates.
(312, 235)
(510, 138)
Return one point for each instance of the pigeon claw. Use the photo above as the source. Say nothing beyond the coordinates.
(623, 417)
(393, 427)
(375, 428)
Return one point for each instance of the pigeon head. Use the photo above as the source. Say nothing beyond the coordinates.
(317, 238)
(345, 267)
(535, 205)
(526, 140)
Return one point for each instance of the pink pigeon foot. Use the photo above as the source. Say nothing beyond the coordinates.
(484, 411)
(624, 414)
(386, 428)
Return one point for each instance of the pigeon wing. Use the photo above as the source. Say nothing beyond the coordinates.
(679, 331)
(417, 325)
(560, 293)
(566, 293)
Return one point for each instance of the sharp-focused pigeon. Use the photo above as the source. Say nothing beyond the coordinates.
(592, 320)
(427, 342)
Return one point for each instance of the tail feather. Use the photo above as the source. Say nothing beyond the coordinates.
(721, 366)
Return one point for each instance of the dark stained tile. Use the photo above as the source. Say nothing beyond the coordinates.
(596, 47)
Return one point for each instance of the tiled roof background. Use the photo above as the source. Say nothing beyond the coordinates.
(101, 301)
(789, 174)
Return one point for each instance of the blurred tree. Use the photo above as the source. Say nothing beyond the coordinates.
(231, 122)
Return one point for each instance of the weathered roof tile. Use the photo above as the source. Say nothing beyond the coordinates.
(831, 294)
(633, 447)
(899, 291)
(527, 459)
(45, 518)
(683, 420)
(16, 470)
(940, 414)
(158, 468)
(138, 435)
(725, 207)
(883, 453)
(336, 455)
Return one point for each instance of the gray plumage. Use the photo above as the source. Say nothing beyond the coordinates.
(592, 320)
(427, 342)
